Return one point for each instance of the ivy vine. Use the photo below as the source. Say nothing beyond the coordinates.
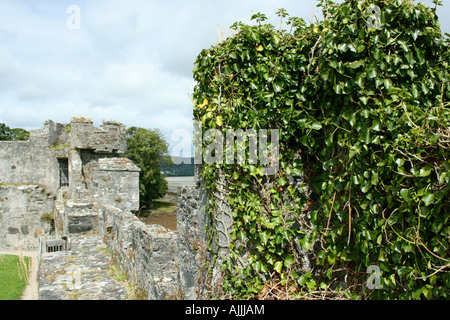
(364, 151)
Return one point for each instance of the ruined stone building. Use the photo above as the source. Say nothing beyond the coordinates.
(62, 167)
(68, 181)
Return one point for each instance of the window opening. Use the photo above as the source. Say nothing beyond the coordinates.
(63, 172)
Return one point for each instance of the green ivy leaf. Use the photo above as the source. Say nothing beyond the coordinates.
(405, 194)
(424, 172)
(337, 88)
(376, 125)
(316, 125)
(374, 180)
(282, 181)
(366, 185)
(356, 64)
(306, 244)
(428, 198)
(278, 265)
(288, 260)
(371, 72)
(264, 237)
(331, 258)
(242, 235)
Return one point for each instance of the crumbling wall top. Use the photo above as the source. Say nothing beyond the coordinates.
(81, 120)
(108, 138)
(117, 164)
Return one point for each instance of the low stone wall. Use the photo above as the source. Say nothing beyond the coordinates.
(193, 256)
(191, 242)
(25, 213)
(203, 240)
(148, 253)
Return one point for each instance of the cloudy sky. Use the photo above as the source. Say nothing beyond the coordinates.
(125, 60)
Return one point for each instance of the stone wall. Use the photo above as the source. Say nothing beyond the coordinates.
(75, 217)
(33, 161)
(81, 162)
(192, 240)
(36, 161)
(172, 264)
(204, 239)
(25, 214)
(193, 256)
(103, 191)
(108, 138)
(116, 182)
(199, 236)
(89, 145)
(148, 253)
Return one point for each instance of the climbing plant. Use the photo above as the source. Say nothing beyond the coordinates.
(361, 101)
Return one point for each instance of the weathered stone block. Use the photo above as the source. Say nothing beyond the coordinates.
(21, 221)
(24, 229)
(13, 230)
(81, 224)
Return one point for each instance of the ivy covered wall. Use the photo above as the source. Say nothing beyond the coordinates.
(361, 100)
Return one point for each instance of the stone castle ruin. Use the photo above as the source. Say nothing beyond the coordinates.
(76, 162)
(70, 180)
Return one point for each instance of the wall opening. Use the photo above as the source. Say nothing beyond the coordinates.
(63, 172)
(164, 211)
(55, 245)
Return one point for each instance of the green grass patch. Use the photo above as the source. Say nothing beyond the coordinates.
(14, 272)
(162, 212)
(159, 207)
(164, 206)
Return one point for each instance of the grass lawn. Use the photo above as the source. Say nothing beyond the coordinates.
(164, 206)
(13, 279)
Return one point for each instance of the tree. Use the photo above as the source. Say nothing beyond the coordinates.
(17, 134)
(147, 149)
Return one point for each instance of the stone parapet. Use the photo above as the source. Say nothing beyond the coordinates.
(108, 138)
(148, 253)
